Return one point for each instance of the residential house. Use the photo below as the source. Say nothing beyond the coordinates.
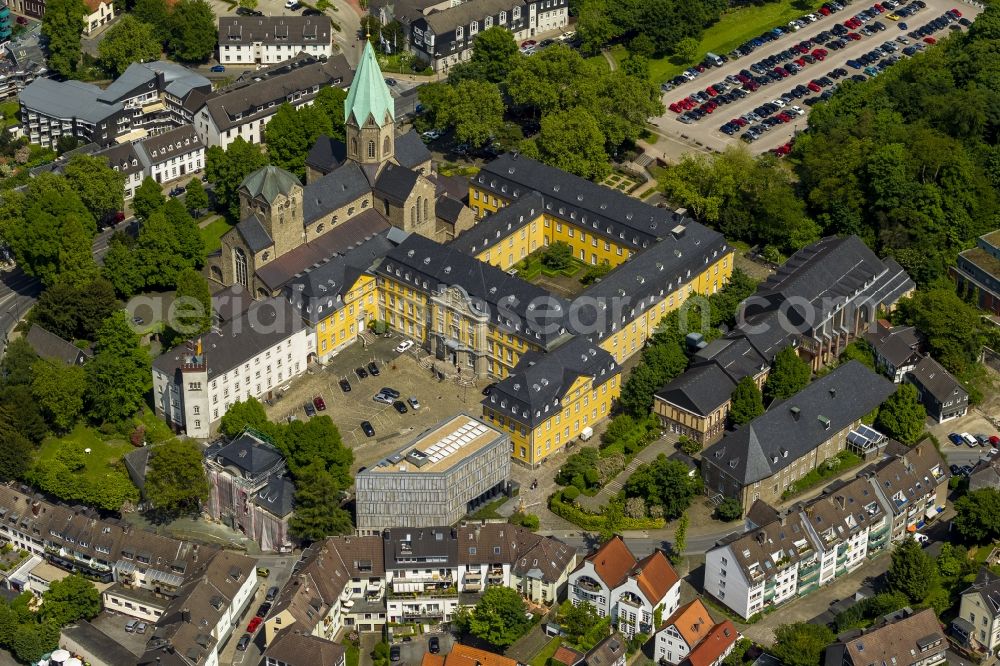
(627, 590)
(986, 474)
(268, 40)
(977, 272)
(100, 13)
(978, 621)
(249, 490)
(172, 154)
(465, 655)
(294, 648)
(50, 346)
(93, 646)
(22, 61)
(897, 349)
(679, 633)
(942, 395)
(784, 555)
(244, 108)
(761, 459)
(905, 638)
(713, 650)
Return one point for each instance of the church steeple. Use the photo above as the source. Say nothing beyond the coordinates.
(369, 114)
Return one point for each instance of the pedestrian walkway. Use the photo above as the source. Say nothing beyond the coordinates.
(596, 503)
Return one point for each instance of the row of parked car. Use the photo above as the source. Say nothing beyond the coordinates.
(964, 438)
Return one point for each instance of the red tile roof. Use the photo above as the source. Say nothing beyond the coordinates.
(463, 655)
(613, 561)
(655, 576)
(692, 620)
(714, 645)
(567, 655)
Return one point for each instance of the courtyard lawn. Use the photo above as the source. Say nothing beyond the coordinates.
(104, 451)
(212, 234)
(542, 658)
(734, 28)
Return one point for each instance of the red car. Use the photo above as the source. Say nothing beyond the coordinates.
(824, 11)
(813, 86)
(801, 62)
(956, 13)
(254, 624)
(319, 403)
(528, 42)
(711, 92)
(994, 440)
(930, 40)
(879, 8)
(853, 36)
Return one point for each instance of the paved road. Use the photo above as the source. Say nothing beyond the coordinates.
(705, 133)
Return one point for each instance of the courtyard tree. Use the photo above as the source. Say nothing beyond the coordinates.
(242, 414)
(978, 516)
(175, 480)
(128, 41)
(902, 415)
(747, 402)
(802, 643)
(59, 390)
(193, 33)
(148, 198)
(913, 572)
(100, 188)
(119, 374)
(62, 27)
(499, 617)
(789, 375)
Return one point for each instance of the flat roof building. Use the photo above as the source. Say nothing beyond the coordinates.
(435, 479)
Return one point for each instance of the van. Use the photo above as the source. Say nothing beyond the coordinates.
(714, 59)
(131, 625)
(586, 433)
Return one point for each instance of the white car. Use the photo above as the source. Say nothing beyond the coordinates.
(798, 110)
(291, 4)
(779, 102)
(431, 135)
(414, 403)
(920, 538)
(993, 452)
(969, 439)
(568, 35)
(403, 346)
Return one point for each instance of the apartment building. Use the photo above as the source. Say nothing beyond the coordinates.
(978, 621)
(782, 556)
(147, 98)
(244, 108)
(977, 272)
(260, 348)
(292, 648)
(627, 590)
(172, 154)
(249, 490)
(897, 349)
(761, 459)
(942, 396)
(268, 40)
(905, 637)
(436, 479)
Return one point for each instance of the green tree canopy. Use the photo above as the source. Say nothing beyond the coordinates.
(75, 311)
(242, 414)
(571, 141)
(193, 32)
(70, 599)
(954, 329)
(226, 170)
(62, 26)
(747, 403)
(318, 513)
(16, 450)
(192, 304)
(157, 14)
(978, 516)
(291, 132)
(789, 375)
(195, 198)
(119, 375)
(495, 52)
(664, 482)
(801, 644)
(913, 572)
(59, 390)
(175, 480)
(148, 199)
(101, 189)
(17, 363)
(902, 415)
(499, 617)
(128, 41)
(331, 100)
(121, 268)
(578, 619)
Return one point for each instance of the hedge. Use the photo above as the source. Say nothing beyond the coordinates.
(595, 522)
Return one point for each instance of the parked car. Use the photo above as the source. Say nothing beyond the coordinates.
(383, 398)
(312, 12)
(244, 642)
(131, 625)
(310, 410)
(434, 645)
(254, 624)
(263, 610)
(403, 346)
(345, 386)
(272, 593)
(414, 403)
(400, 406)
(263, 572)
(373, 369)
(177, 191)
(956, 439)
(291, 4)
(319, 403)
(394, 653)
(969, 439)
(218, 68)
(360, 372)
(246, 11)
(367, 428)
(920, 538)
(391, 392)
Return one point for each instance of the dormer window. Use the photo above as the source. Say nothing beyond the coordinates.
(474, 28)
(459, 32)
(489, 21)
(503, 17)
(517, 13)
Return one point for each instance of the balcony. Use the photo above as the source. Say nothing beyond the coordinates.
(588, 585)
(429, 592)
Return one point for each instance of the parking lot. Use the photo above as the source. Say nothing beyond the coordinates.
(973, 423)
(411, 652)
(706, 133)
(402, 372)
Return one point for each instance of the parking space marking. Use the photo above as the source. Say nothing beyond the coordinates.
(705, 133)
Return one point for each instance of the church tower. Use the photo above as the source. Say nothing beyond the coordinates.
(369, 114)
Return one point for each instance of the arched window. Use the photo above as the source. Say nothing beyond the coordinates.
(354, 146)
(371, 149)
(413, 214)
(385, 207)
(385, 146)
(240, 261)
(426, 216)
(419, 211)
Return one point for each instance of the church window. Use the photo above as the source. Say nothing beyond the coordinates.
(419, 211)
(319, 228)
(371, 149)
(354, 146)
(385, 146)
(240, 260)
(426, 216)
(413, 214)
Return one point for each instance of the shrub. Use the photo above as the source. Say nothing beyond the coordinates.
(730, 509)
(570, 493)
(526, 520)
(635, 507)
(688, 445)
(656, 511)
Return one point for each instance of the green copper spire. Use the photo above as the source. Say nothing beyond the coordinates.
(368, 93)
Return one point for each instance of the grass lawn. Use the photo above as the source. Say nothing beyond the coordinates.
(103, 451)
(489, 511)
(542, 658)
(212, 234)
(730, 31)
(352, 654)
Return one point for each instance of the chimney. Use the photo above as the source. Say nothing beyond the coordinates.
(795, 413)
(833, 393)
(186, 614)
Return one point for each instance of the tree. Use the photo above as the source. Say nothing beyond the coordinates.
(729, 510)
(578, 619)
(192, 304)
(18, 401)
(661, 361)
(175, 480)
(157, 14)
(16, 450)
(331, 100)
(242, 414)
(953, 328)
(664, 482)
(318, 513)
(148, 199)
(859, 351)
(499, 617)
(128, 41)
(687, 49)
(248, 4)
(226, 170)
(978, 516)
(571, 141)
(789, 375)
(17, 363)
(100, 188)
(62, 27)
(558, 255)
(680, 538)
(70, 599)
(290, 134)
(801, 644)
(317, 440)
(59, 390)
(193, 32)
(913, 572)
(158, 252)
(747, 403)
(595, 26)
(76, 257)
(476, 111)
(614, 515)
(121, 268)
(119, 375)
(494, 52)
(902, 416)
(190, 244)
(195, 198)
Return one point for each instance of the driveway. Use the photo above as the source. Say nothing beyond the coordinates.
(412, 652)
(705, 134)
(280, 567)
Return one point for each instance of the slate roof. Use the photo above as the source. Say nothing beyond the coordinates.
(319, 289)
(177, 80)
(987, 586)
(410, 150)
(897, 344)
(326, 154)
(336, 189)
(700, 390)
(905, 641)
(446, 21)
(136, 462)
(278, 496)
(253, 233)
(935, 380)
(274, 30)
(532, 555)
(247, 453)
(607, 652)
(268, 182)
(505, 299)
(779, 437)
(495, 227)
(292, 647)
(263, 325)
(66, 100)
(406, 548)
(986, 474)
(546, 559)
(123, 157)
(448, 209)
(531, 393)
(165, 146)
(395, 183)
(908, 475)
(49, 345)
(369, 95)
